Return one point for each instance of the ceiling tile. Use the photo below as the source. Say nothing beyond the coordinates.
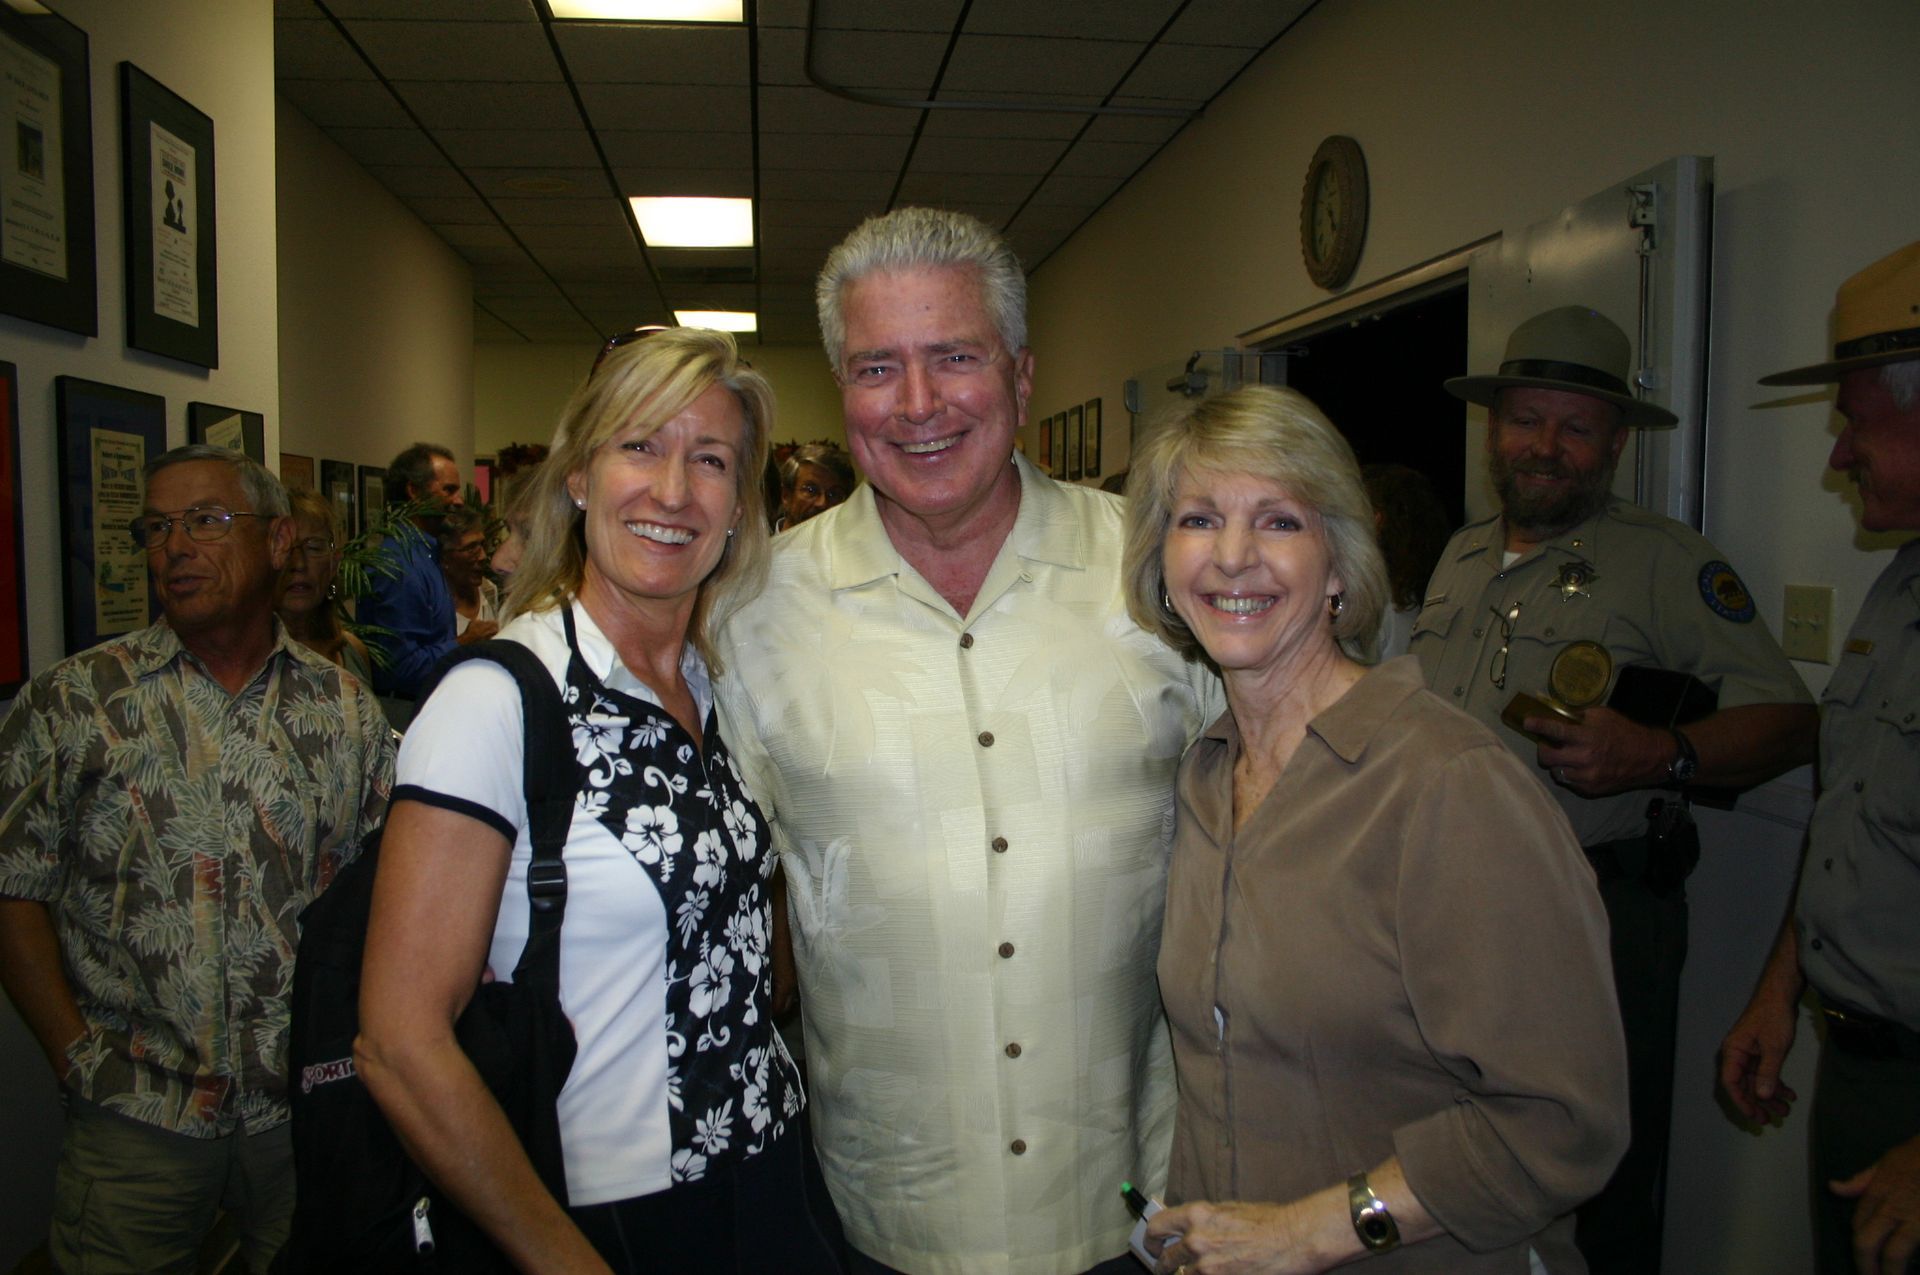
(580, 182)
(815, 183)
(371, 146)
(610, 239)
(1030, 124)
(1185, 71)
(453, 10)
(1033, 64)
(1247, 23)
(488, 329)
(560, 211)
(717, 183)
(1072, 190)
(856, 152)
(463, 237)
(1032, 156)
(1135, 128)
(518, 148)
(863, 15)
(420, 180)
(948, 188)
(472, 105)
(345, 103)
(310, 47)
(564, 261)
(620, 53)
(702, 258)
(448, 210)
(1136, 20)
(892, 62)
(493, 51)
(809, 110)
(817, 213)
(1106, 159)
(679, 150)
(718, 107)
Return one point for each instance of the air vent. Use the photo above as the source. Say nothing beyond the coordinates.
(696, 275)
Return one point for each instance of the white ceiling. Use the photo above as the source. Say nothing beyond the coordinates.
(517, 138)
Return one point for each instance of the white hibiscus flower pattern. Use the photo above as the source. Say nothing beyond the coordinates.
(702, 843)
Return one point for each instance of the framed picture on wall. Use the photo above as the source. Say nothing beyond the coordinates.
(1092, 446)
(105, 436)
(166, 154)
(1075, 466)
(483, 478)
(296, 472)
(46, 181)
(373, 497)
(1044, 444)
(1058, 463)
(13, 544)
(336, 484)
(229, 427)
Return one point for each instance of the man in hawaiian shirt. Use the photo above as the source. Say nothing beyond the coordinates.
(170, 801)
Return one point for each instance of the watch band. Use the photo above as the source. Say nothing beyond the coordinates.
(1371, 1221)
(1686, 762)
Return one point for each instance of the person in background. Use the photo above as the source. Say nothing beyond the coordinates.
(1368, 893)
(514, 512)
(1566, 566)
(814, 479)
(463, 559)
(170, 801)
(308, 597)
(1852, 934)
(414, 607)
(1413, 528)
(967, 752)
(681, 1119)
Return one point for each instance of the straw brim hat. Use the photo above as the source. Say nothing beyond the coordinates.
(1574, 349)
(1876, 320)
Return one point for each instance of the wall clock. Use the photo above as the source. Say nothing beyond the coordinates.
(1333, 211)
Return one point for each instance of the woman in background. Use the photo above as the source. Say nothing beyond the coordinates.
(1383, 949)
(463, 561)
(309, 585)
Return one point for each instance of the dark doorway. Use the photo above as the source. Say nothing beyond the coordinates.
(1379, 379)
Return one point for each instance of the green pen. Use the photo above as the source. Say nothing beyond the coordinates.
(1142, 1206)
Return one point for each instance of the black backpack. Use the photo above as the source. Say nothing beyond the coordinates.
(362, 1204)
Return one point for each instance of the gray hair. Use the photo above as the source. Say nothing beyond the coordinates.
(924, 239)
(257, 483)
(411, 472)
(1268, 433)
(1902, 380)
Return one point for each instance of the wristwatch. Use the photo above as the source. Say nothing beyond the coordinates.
(1371, 1221)
(1680, 770)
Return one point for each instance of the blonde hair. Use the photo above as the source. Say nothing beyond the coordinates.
(1267, 433)
(645, 384)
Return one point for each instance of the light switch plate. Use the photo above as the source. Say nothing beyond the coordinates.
(1807, 627)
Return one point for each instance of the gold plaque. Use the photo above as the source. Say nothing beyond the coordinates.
(1579, 674)
(1522, 706)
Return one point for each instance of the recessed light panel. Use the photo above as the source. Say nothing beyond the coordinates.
(724, 320)
(648, 10)
(686, 222)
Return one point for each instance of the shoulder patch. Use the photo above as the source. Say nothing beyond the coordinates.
(1725, 594)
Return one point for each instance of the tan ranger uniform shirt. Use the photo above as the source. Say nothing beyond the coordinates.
(1649, 589)
(1859, 909)
(1401, 953)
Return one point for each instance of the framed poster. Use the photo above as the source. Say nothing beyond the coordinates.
(229, 427)
(1092, 446)
(1059, 461)
(106, 435)
(46, 173)
(483, 479)
(373, 497)
(1043, 453)
(166, 153)
(296, 472)
(13, 545)
(1075, 467)
(336, 484)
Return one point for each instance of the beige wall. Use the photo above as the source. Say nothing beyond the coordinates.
(170, 40)
(376, 312)
(1490, 114)
(518, 391)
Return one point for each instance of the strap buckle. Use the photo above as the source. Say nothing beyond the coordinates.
(547, 884)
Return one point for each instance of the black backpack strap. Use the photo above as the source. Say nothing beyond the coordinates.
(548, 776)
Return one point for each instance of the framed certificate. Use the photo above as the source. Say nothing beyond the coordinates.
(167, 173)
(46, 173)
(106, 437)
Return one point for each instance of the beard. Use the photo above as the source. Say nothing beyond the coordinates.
(1546, 514)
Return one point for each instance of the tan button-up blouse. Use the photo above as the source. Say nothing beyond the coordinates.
(1402, 952)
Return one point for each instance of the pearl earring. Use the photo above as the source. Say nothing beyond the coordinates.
(579, 502)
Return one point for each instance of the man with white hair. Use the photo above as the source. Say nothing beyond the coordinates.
(967, 751)
(1852, 934)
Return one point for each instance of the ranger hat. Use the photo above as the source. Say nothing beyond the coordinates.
(1876, 320)
(1574, 349)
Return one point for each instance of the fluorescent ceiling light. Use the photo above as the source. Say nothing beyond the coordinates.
(684, 222)
(649, 10)
(724, 320)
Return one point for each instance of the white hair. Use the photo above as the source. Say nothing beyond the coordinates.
(1902, 380)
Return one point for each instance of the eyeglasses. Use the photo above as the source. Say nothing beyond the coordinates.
(314, 546)
(202, 523)
(1498, 669)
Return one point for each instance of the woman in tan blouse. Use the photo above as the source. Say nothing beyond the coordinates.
(1384, 959)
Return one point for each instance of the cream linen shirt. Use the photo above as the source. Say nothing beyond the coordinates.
(974, 814)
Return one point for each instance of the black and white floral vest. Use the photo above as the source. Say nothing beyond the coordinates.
(687, 820)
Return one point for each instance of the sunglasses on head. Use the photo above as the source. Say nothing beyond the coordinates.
(628, 337)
